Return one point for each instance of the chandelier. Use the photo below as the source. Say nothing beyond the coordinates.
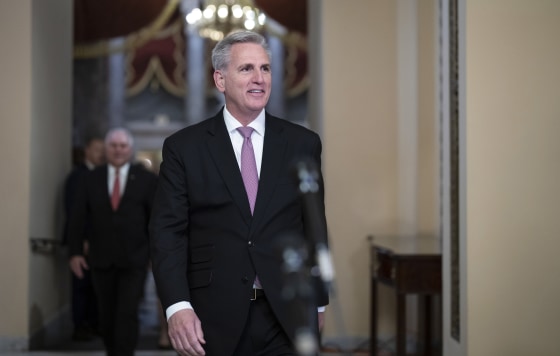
(216, 18)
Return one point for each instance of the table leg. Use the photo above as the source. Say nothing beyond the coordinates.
(373, 319)
(401, 324)
(428, 338)
(425, 325)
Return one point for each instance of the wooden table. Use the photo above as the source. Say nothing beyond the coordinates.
(411, 265)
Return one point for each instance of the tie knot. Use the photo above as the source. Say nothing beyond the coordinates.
(246, 131)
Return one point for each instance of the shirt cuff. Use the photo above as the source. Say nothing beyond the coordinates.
(173, 308)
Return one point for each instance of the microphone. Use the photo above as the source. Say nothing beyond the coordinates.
(310, 182)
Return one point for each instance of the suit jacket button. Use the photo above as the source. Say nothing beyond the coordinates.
(250, 243)
(245, 279)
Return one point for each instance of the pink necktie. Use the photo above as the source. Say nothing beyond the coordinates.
(249, 173)
(116, 195)
(249, 166)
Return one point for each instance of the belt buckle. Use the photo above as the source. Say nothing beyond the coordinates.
(254, 294)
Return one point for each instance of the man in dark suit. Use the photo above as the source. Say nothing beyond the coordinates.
(84, 303)
(116, 200)
(215, 252)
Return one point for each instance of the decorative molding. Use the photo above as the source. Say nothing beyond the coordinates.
(454, 164)
(132, 41)
(165, 67)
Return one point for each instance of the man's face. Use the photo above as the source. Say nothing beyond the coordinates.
(95, 152)
(247, 80)
(118, 149)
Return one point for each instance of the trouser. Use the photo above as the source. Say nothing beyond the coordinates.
(263, 334)
(84, 302)
(119, 292)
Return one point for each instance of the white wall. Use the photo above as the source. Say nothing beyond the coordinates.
(50, 153)
(15, 152)
(512, 120)
(378, 123)
(360, 145)
(36, 37)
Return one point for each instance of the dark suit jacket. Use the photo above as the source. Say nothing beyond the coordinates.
(70, 189)
(120, 237)
(206, 246)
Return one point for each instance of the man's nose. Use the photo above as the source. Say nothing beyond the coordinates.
(258, 76)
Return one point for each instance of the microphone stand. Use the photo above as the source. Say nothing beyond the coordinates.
(298, 289)
(309, 187)
(296, 254)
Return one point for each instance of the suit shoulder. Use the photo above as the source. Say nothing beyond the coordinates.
(193, 132)
(140, 169)
(185, 136)
(76, 172)
(97, 172)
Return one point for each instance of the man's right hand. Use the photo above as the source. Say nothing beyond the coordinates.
(185, 333)
(77, 265)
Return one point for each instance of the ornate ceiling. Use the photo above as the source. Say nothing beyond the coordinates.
(97, 20)
(153, 40)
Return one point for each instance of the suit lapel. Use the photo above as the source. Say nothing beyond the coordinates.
(130, 183)
(102, 188)
(273, 154)
(219, 146)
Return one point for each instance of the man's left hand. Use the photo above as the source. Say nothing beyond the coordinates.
(321, 317)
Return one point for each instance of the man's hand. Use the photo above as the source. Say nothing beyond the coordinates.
(185, 333)
(321, 317)
(77, 265)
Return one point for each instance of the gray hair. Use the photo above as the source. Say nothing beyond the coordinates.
(112, 131)
(221, 54)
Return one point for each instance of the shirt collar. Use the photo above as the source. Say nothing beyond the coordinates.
(123, 170)
(232, 124)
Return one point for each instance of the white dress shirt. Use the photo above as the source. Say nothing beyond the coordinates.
(123, 174)
(257, 138)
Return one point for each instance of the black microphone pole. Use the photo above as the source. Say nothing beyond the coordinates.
(310, 188)
(298, 290)
(300, 254)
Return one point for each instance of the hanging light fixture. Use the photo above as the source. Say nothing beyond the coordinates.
(216, 18)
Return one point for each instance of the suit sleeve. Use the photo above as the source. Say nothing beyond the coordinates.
(315, 221)
(168, 224)
(77, 217)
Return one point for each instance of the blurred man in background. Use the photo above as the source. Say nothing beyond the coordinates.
(116, 200)
(84, 303)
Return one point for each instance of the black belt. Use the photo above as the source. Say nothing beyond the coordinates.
(256, 293)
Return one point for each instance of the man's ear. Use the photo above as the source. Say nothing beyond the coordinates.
(219, 80)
